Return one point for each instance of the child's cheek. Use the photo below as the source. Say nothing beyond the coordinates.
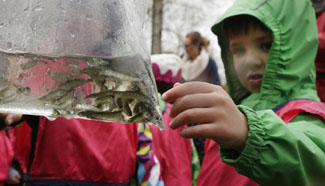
(239, 67)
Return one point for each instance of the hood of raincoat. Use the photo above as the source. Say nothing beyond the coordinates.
(290, 70)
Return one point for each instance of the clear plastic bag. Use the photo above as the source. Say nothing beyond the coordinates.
(76, 59)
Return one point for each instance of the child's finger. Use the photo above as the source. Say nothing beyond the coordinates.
(197, 131)
(16, 180)
(200, 100)
(208, 130)
(3, 115)
(11, 118)
(8, 119)
(195, 115)
(186, 89)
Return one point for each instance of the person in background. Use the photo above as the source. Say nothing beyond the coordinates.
(198, 66)
(6, 155)
(271, 125)
(77, 152)
(6, 150)
(173, 152)
(319, 6)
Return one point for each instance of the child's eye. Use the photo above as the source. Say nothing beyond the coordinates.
(266, 46)
(238, 51)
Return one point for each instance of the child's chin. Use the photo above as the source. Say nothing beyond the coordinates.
(254, 89)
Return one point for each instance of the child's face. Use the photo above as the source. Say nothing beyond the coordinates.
(250, 51)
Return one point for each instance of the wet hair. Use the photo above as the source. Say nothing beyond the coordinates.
(196, 39)
(239, 25)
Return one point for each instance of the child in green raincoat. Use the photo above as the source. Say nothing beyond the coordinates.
(271, 126)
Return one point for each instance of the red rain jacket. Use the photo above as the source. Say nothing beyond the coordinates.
(6, 155)
(174, 154)
(79, 151)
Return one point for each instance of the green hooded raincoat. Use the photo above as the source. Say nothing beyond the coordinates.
(275, 152)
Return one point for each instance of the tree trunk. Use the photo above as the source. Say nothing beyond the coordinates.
(157, 23)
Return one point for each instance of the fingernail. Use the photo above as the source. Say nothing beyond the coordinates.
(164, 96)
(171, 124)
(180, 132)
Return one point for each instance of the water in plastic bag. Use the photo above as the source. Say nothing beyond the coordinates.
(76, 59)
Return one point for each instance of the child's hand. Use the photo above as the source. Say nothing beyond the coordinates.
(14, 176)
(8, 119)
(211, 107)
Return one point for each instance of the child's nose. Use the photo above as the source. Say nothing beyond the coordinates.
(254, 59)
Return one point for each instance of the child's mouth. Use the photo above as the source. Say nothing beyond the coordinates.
(255, 78)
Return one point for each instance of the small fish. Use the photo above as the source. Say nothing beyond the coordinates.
(101, 115)
(140, 107)
(124, 105)
(118, 102)
(92, 62)
(53, 95)
(22, 90)
(8, 99)
(58, 111)
(65, 100)
(73, 65)
(31, 64)
(148, 113)
(141, 87)
(120, 94)
(3, 91)
(114, 74)
(107, 107)
(72, 84)
(108, 99)
(59, 76)
(103, 82)
(4, 82)
(87, 107)
(138, 118)
(105, 71)
(111, 84)
(92, 72)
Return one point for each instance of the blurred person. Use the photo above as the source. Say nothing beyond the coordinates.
(319, 6)
(6, 150)
(6, 155)
(77, 152)
(173, 152)
(198, 66)
(14, 176)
